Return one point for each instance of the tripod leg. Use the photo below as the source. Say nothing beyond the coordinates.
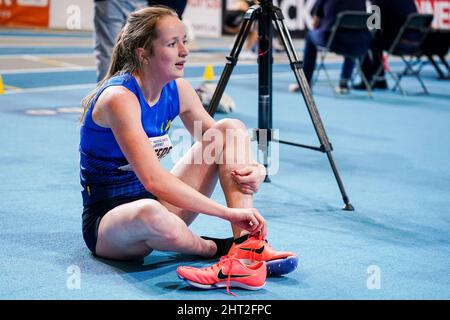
(249, 17)
(309, 101)
(265, 61)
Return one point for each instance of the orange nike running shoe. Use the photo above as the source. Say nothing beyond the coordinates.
(228, 272)
(258, 249)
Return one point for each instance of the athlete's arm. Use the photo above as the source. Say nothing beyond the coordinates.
(249, 178)
(192, 110)
(119, 110)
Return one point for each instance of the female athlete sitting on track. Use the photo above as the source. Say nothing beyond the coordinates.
(132, 205)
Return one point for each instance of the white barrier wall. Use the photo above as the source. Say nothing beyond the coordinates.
(205, 17)
(72, 14)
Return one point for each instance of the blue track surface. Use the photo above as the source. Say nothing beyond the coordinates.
(393, 153)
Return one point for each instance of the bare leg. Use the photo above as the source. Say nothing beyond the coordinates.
(133, 230)
(203, 177)
(236, 155)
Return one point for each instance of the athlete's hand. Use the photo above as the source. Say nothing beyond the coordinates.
(248, 219)
(249, 178)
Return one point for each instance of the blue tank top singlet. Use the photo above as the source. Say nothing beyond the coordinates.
(104, 170)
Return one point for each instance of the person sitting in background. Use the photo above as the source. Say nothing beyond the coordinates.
(324, 16)
(393, 15)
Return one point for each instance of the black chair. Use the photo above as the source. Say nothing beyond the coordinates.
(408, 46)
(348, 24)
(437, 43)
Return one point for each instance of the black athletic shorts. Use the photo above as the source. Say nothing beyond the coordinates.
(93, 214)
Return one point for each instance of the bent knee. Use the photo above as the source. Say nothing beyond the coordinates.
(150, 213)
(158, 221)
(228, 123)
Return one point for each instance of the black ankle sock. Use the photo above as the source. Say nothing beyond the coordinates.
(241, 239)
(223, 246)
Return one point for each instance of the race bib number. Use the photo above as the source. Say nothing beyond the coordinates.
(162, 146)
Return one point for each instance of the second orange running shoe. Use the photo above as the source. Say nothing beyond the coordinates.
(258, 249)
(228, 272)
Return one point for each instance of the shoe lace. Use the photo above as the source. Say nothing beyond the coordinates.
(253, 250)
(224, 259)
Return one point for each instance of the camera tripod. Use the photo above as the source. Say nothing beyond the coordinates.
(265, 13)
